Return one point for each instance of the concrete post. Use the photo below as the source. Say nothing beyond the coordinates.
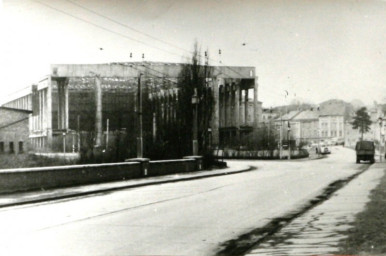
(237, 111)
(49, 112)
(216, 114)
(66, 102)
(226, 105)
(246, 107)
(195, 122)
(255, 106)
(139, 109)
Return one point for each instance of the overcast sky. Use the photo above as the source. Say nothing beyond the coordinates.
(315, 50)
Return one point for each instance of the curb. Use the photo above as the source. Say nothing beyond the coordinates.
(104, 190)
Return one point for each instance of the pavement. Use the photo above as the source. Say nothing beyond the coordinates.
(21, 198)
(323, 229)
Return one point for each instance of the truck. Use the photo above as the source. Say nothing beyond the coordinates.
(365, 150)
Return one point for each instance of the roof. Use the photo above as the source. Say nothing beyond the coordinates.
(16, 110)
(332, 110)
(132, 69)
(308, 115)
(289, 116)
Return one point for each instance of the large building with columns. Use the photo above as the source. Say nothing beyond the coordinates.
(98, 98)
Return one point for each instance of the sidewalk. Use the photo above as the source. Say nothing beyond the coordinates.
(368, 233)
(351, 222)
(21, 198)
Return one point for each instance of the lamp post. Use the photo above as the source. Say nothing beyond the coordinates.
(195, 119)
(64, 142)
(380, 120)
(139, 105)
(289, 140)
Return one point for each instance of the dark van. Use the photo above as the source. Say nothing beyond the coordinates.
(365, 151)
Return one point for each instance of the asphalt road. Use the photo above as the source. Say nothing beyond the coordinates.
(185, 218)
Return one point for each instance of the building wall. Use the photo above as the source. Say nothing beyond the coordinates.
(309, 130)
(13, 131)
(331, 127)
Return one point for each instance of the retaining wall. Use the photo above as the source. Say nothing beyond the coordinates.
(28, 179)
(171, 166)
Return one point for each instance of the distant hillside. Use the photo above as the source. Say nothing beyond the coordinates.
(337, 107)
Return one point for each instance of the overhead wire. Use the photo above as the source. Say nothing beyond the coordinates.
(143, 33)
(103, 28)
(129, 37)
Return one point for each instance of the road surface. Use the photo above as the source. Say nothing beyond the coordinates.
(184, 218)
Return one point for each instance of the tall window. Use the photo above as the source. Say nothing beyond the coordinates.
(11, 148)
(21, 149)
(1, 147)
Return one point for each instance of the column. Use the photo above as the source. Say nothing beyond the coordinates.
(61, 104)
(255, 118)
(98, 112)
(237, 111)
(226, 105)
(246, 107)
(49, 113)
(216, 114)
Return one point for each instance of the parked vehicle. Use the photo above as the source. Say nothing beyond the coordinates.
(365, 150)
(325, 150)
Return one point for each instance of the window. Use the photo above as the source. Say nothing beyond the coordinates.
(11, 148)
(21, 149)
(1, 147)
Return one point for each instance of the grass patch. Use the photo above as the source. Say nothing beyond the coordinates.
(368, 236)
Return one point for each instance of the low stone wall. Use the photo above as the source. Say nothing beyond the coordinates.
(28, 179)
(12, 180)
(164, 167)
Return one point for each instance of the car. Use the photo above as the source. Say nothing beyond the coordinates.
(365, 150)
(325, 150)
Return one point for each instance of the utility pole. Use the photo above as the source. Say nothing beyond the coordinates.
(139, 113)
(98, 114)
(380, 138)
(289, 140)
(195, 120)
(107, 133)
(78, 128)
(281, 136)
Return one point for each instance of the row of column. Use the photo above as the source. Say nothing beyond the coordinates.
(234, 106)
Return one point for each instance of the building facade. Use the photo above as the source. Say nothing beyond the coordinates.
(14, 133)
(101, 98)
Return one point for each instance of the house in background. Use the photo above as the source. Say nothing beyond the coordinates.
(268, 115)
(14, 132)
(287, 128)
(307, 122)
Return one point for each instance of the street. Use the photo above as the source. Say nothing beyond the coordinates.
(183, 218)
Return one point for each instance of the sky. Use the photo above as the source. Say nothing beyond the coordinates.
(310, 51)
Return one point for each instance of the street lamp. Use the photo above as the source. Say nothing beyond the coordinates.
(289, 140)
(195, 109)
(380, 121)
(139, 113)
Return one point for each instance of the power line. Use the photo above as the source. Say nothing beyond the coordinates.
(128, 37)
(103, 28)
(143, 33)
(128, 27)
